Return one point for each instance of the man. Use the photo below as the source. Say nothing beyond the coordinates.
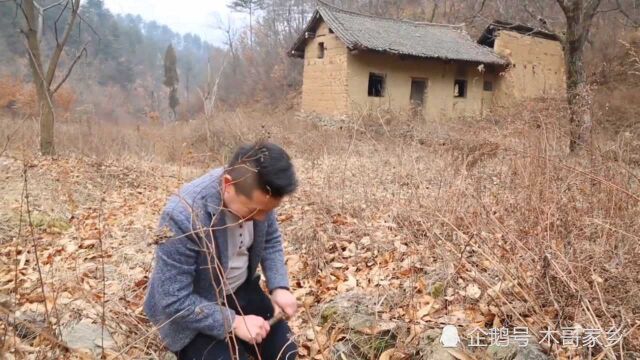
(204, 295)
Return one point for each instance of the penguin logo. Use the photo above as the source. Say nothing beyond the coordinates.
(450, 338)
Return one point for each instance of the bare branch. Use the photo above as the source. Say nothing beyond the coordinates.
(590, 9)
(55, 57)
(53, 5)
(476, 13)
(433, 11)
(539, 19)
(55, 23)
(73, 64)
(564, 6)
(634, 22)
(617, 8)
(24, 14)
(8, 140)
(83, 20)
(37, 330)
(15, 14)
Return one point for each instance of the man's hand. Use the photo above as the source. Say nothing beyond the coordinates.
(285, 300)
(252, 329)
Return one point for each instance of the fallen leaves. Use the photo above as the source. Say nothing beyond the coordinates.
(69, 248)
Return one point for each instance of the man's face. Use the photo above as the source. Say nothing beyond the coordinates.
(254, 208)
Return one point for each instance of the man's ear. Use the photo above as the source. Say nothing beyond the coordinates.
(227, 182)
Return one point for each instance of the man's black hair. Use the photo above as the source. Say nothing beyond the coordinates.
(264, 166)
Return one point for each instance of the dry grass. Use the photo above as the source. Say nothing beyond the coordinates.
(550, 239)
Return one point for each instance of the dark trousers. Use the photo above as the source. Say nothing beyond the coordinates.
(278, 345)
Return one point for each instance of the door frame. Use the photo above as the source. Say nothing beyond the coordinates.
(424, 94)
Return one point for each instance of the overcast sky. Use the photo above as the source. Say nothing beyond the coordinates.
(183, 16)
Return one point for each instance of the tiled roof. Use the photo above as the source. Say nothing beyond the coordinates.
(426, 40)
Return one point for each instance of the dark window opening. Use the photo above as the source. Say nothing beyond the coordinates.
(320, 50)
(460, 88)
(487, 86)
(376, 85)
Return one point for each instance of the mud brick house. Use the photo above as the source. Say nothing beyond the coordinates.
(354, 62)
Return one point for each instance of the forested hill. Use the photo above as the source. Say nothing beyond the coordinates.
(121, 76)
(124, 57)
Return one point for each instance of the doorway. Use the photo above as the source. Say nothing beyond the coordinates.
(417, 96)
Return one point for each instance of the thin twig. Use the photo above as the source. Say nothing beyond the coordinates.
(315, 334)
(42, 332)
(35, 246)
(70, 69)
(9, 138)
(15, 279)
(104, 288)
(581, 172)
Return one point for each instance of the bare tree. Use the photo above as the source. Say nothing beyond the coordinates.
(209, 93)
(188, 70)
(250, 7)
(43, 77)
(578, 16)
(230, 34)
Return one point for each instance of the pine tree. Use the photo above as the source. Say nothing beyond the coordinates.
(250, 7)
(171, 78)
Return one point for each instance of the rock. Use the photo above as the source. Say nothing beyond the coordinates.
(495, 352)
(28, 325)
(431, 348)
(514, 352)
(368, 324)
(87, 336)
(345, 306)
(368, 336)
(531, 352)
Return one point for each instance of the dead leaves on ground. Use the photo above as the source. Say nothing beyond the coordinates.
(116, 207)
(104, 205)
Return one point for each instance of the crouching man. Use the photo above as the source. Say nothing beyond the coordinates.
(204, 294)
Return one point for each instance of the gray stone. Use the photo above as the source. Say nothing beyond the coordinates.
(86, 336)
(369, 324)
(531, 353)
(514, 352)
(431, 348)
(344, 306)
(28, 325)
(495, 352)
(369, 336)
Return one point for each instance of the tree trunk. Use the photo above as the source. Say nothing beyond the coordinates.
(579, 16)
(47, 114)
(47, 120)
(578, 97)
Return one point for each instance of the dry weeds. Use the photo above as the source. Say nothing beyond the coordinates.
(473, 223)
